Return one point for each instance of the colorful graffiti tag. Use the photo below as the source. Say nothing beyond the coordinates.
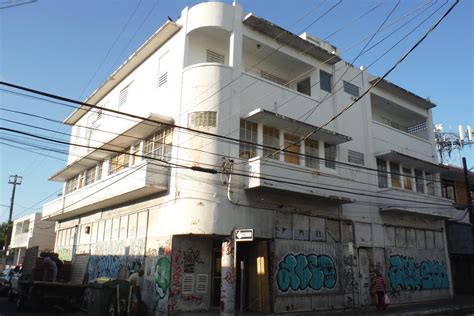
(103, 266)
(405, 273)
(298, 272)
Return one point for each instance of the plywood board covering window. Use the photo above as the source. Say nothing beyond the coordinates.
(292, 149)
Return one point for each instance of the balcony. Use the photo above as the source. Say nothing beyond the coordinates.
(313, 184)
(130, 184)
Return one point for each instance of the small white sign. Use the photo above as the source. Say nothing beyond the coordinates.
(244, 235)
(351, 248)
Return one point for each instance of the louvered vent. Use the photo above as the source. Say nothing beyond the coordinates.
(213, 57)
(162, 79)
(188, 283)
(201, 283)
(273, 78)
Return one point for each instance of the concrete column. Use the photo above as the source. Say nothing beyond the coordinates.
(227, 278)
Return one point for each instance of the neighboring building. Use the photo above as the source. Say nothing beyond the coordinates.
(361, 194)
(460, 231)
(30, 231)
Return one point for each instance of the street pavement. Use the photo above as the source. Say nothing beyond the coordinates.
(460, 305)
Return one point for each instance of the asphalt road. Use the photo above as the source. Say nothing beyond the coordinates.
(9, 309)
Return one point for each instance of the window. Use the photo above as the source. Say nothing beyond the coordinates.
(355, 157)
(26, 226)
(419, 183)
(449, 191)
(159, 145)
(382, 173)
(430, 183)
(395, 175)
(118, 162)
(134, 157)
(407, 176)
(271, 138)
(123, 96)
(202, 119)
(325, 81)
(351, 89)
(90, 175)
(93, 123)
(163, 70)
(330, 156)
(292, 149)
(311, 151)
(71, 185)
(304, 86)
(99, 170)
(213, 57)
(248, 132)
(273, 78)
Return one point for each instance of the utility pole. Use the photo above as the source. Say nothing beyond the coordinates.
(15, 180)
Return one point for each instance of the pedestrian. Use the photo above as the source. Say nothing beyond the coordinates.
(134, 280)
(50, 269)
(378, 288)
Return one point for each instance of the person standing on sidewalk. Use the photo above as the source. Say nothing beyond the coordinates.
(378, 287)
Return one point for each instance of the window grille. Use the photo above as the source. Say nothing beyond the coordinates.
(382, 173)
(351, 89)
(90, 175)
(416, 128)
(248, 132)
(202, 119)
(419, 181)
(213, 57)
(395, 174)
(273, 78)
(311, 150)
(355, 157)
(159, 145)
(407, 177)
(325, 81)
(271, 138)
(330, 156)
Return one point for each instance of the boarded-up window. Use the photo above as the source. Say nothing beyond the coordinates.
(292, 149)
(350, 88)
(100, 231)
(108, 229)
(330, 156)
(202, 119)
(395, 175)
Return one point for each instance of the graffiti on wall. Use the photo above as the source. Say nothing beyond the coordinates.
(299, 272)
(191, 258)
(103, 266)
(405, 273)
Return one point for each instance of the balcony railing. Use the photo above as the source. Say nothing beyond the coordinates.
(264, 174)
(130, 184)
(388, 138)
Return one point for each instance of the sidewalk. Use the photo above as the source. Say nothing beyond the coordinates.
(460, 305)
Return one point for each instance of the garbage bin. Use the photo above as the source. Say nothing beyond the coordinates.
(100, 295)
(104, 295)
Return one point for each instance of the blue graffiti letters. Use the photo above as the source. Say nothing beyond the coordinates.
(298, 272)
(405, 273)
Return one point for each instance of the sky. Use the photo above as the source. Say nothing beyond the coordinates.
(69, 47)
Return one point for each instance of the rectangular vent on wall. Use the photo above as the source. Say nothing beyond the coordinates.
(188, 283)
(202, 283)
(213, 57)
